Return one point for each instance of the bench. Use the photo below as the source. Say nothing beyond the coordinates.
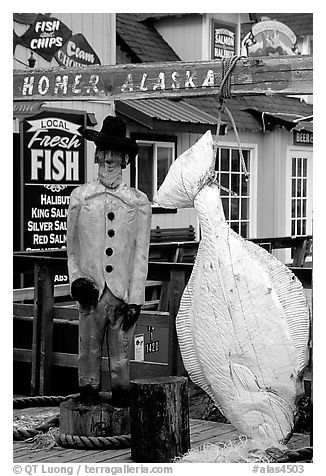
(159, 235)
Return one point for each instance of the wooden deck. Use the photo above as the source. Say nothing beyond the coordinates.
(201, 432)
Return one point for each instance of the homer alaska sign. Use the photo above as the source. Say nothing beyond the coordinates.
(282, 75)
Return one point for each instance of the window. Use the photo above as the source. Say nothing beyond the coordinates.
(152, 164)
(299, 194)
(231, 176)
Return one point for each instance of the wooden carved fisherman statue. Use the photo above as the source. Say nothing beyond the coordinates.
(107, 240)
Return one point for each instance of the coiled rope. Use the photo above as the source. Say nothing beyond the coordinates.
(45, 401)
(304, 454)
(94, 443)
(64, 440)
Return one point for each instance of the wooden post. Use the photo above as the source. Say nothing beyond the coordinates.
(42, 330)
(177, 285)
(95, 419)
(159, 419)
(299, 252)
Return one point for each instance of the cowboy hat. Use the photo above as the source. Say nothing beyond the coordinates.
(112, 136)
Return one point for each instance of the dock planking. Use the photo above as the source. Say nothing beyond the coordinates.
(201, 432)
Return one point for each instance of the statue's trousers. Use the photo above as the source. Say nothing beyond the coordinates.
(93, 324)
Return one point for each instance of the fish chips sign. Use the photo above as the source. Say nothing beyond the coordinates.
(53, 164)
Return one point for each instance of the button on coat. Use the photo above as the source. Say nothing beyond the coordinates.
(108, 234)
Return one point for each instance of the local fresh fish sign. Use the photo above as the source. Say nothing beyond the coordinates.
(53, 164)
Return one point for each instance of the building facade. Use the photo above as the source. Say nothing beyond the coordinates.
(275, 133)
(276, 143)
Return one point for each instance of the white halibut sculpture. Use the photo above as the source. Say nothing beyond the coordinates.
(243, 321)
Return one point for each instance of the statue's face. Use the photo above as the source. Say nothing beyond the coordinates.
(112, 159)
(110, 167)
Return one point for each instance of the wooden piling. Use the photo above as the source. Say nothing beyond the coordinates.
(159, 419)
(98, 419)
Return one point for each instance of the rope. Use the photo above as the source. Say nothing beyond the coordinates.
(243, 164)
(225, 93)
(67, 441)
(291, 456)
(45, 401)
(94, 443)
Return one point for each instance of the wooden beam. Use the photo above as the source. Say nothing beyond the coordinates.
(251, 76)
(42, 330)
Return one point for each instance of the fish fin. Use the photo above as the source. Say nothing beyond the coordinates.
(245, 376)
(184, 327)
(290, 293)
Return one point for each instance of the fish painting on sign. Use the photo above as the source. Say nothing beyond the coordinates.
(243, 321)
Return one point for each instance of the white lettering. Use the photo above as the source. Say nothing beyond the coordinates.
(209, 80)
(36, 164)
(189, 83)
(40, 239)
(58, 166)
(93, 80)
(40, 212)
(74, 89)
(176, 80)
(60, 225)
(128, 85)
(72, 165)
(55, 141)
(57, 238)
(142, 83)
(47, 160)
(48, 26)
(59, 212)
(28, 86)
(43, 85)
(54, 200)
(160, 82)
(62, 84)
(60, 278)
(40, 226)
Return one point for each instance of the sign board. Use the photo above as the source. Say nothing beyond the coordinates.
(150, 344)
(270, 38)
(303, 138)
(77, 52)
(49, 37)
(175, 79)
(223, 40)
(53, 164)
(26, 18)
(45, 36)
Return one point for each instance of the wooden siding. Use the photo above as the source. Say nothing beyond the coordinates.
(98, 29)
(184, 35)
(191, 36)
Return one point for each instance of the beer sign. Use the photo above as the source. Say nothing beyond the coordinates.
(53, 165)
(303, 137)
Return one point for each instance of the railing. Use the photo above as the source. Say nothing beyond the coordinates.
(164, 287)
(44, 313)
